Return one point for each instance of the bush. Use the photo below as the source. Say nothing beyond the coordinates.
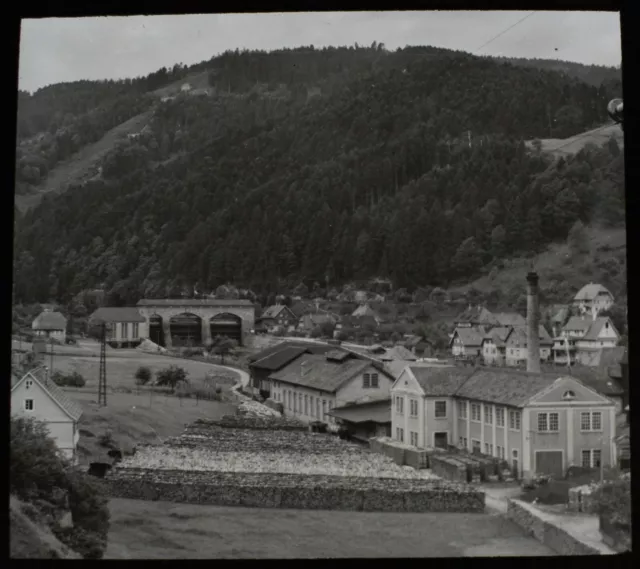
(73, 379)
(143, 375)
(106, 439)
(171, 376)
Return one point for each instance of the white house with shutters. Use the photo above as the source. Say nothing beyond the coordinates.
(538, 423)
(592, 299)
(34, 395)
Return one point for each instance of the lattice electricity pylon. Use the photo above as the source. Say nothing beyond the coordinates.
(102, 376)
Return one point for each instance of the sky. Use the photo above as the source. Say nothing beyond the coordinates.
(56, 50)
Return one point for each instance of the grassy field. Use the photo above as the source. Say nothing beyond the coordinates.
(139, 415)
(599, 136)
(164, 530)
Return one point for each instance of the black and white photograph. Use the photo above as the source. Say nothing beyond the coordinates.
(320, 285)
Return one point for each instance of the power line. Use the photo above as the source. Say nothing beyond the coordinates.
(505, 31)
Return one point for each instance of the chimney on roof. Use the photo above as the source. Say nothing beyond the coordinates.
(533, 324)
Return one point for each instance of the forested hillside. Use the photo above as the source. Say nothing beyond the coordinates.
(409, 164)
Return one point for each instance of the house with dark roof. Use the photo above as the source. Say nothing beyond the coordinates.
(512, 319)
(277, 317)
(311, 385)
(125, 326)
(476, 316)
(36, 396)
(494, 345)
(516, 346)
(466, 342)
(50, 324)
(592, 299)
(310, 321)
(538, 423)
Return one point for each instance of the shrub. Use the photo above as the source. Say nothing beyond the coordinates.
(143, 375)
(171, 376)
(73, 379)
(106, 439)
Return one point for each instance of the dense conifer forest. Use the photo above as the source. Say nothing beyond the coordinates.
(311, 165)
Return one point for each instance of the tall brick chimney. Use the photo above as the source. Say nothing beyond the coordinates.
(533, 323)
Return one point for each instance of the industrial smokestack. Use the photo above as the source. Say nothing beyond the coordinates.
(533, 324)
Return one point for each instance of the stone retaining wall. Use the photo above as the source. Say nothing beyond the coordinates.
(449, 468)
(546, 532)
(294, 492)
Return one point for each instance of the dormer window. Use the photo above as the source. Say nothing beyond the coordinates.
(568, 395)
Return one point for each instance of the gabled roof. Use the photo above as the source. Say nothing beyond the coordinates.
(117, 314)
(597, 379)
(356, 321)
(193, 302)
(68, 405)
(398, 353)
(273, 311)
(440, 381)
(364, 310)
(596, 327)
(378, 411)
(310, 347)
(578, 324)
(504, 387)
(398, 366)
(510, 319)
(49, 320)
(317, 319)
(590, 291)
(279, 359)
(519, 336)
(560, 315)
(498, 335)
(470, 336)
(316, 372)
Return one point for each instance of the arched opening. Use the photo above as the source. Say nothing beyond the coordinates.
(186, 330)
(228, 325)
(156, 333)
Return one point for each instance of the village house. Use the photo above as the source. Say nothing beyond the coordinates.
(466, 342)
(348, 322)
(126, 327)
(592, 299)
(418, 345)
(494, 346)
(582, 338)
(278, 317)
(309, 322)
(366, 419)
(313, 384)
(538, 423)
(50, 325)
(511, 319)
(516, 351)
(36, 396)
(475, 316)
(366, 310)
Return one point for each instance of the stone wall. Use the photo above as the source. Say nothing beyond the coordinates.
(546, 532)
(293, 491)
(449, 468)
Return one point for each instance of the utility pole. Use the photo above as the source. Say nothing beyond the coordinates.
(102, 374)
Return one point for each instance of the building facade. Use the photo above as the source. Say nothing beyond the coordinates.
(536, 423)
(50, 324)
(125, 326)
(592, 299)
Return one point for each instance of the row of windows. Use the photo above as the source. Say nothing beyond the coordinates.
(514, 416)
(306, 404)
(134, 331)
(440, 407)
(413, 436)
(591, 458)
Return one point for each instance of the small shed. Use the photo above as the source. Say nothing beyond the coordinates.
(51, 325)
(365, 419)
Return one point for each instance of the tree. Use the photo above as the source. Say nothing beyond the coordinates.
(171, 376)
(327, 329)
(467, 257)
(143, 375)
(223, 346)
(578, 239)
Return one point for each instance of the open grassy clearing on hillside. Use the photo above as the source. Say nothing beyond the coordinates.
(163, 530)
(556, 263)
(78, 166)
(565, 146)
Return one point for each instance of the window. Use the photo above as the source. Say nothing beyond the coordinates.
(134, 333)
(465, 442)
(500, 451)
(400, 434)
(488, 414)
(586, 459)
(28, 404)
(123, 329)
(490, 450)
(324, 409)
(486, 448)
(595, 458)
(514, 420)
(475, 446)
(514, 459)
(366, 380)
(414, 439)
(331, 407)
(318, 408)
(306, 405)
(374, 380)
(312, 406)
(460, 441)
(553, 422)
(475, 412)
(28, 384)
(499, 416)
(462, 409)
(591, 421)
(441, 409)
(413, 406)
(399, 404)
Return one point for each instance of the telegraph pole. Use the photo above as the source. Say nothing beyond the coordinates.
(102, 374)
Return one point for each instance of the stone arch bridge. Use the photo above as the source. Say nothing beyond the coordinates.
(172, 321)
